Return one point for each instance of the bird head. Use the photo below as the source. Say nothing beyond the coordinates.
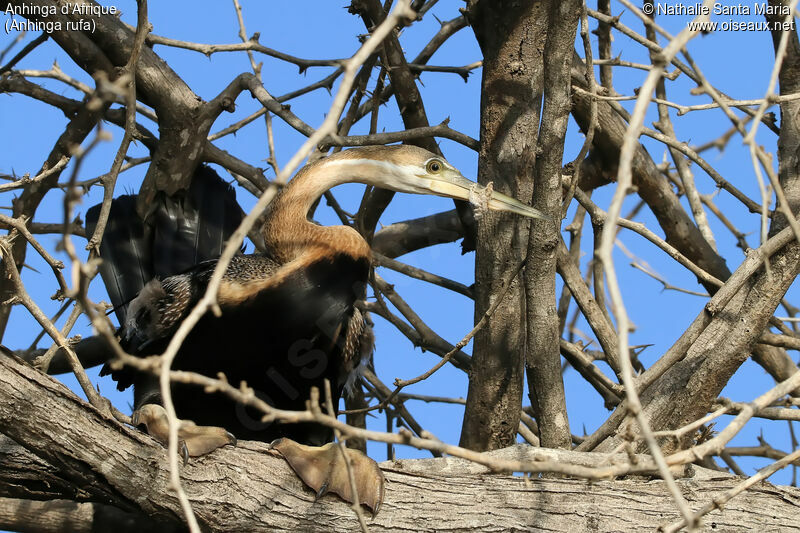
(410, 169)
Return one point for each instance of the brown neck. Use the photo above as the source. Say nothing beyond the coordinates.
(287, 231)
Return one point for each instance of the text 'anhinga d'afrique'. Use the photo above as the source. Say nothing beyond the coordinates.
(289, 319)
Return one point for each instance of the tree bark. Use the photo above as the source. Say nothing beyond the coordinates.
(57, 516)
(87, 458)
(543, 362)
(789, 138)
(511, 36)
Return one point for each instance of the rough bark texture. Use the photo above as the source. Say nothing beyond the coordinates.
(90, 459)
(543, 361)
(511, 36)
(57, 516)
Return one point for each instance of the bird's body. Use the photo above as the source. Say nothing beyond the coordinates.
(280, 340)
(282, 330)
(289, 317)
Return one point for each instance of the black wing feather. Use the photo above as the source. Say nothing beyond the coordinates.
(125, 250)
(282, 341)
(193, 227)
(182, 231)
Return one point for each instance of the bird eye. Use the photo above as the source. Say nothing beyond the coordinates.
(434, 166)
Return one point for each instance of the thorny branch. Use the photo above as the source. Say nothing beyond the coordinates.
(592, 168)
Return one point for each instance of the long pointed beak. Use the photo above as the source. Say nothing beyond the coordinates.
(461, 188)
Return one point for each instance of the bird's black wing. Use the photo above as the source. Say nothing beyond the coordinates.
(179, 232)
(126, 252)
(193, 228)
(283, 330)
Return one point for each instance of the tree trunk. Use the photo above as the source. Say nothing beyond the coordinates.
(511, 36)
(543, 364)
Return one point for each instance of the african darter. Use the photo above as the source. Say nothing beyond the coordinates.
(289, 316)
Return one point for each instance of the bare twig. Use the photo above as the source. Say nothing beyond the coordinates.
(624, 179)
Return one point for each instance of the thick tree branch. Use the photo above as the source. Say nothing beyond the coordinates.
(405, 237)
(248, 489)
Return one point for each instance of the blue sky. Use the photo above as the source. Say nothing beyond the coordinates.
(738, 63)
